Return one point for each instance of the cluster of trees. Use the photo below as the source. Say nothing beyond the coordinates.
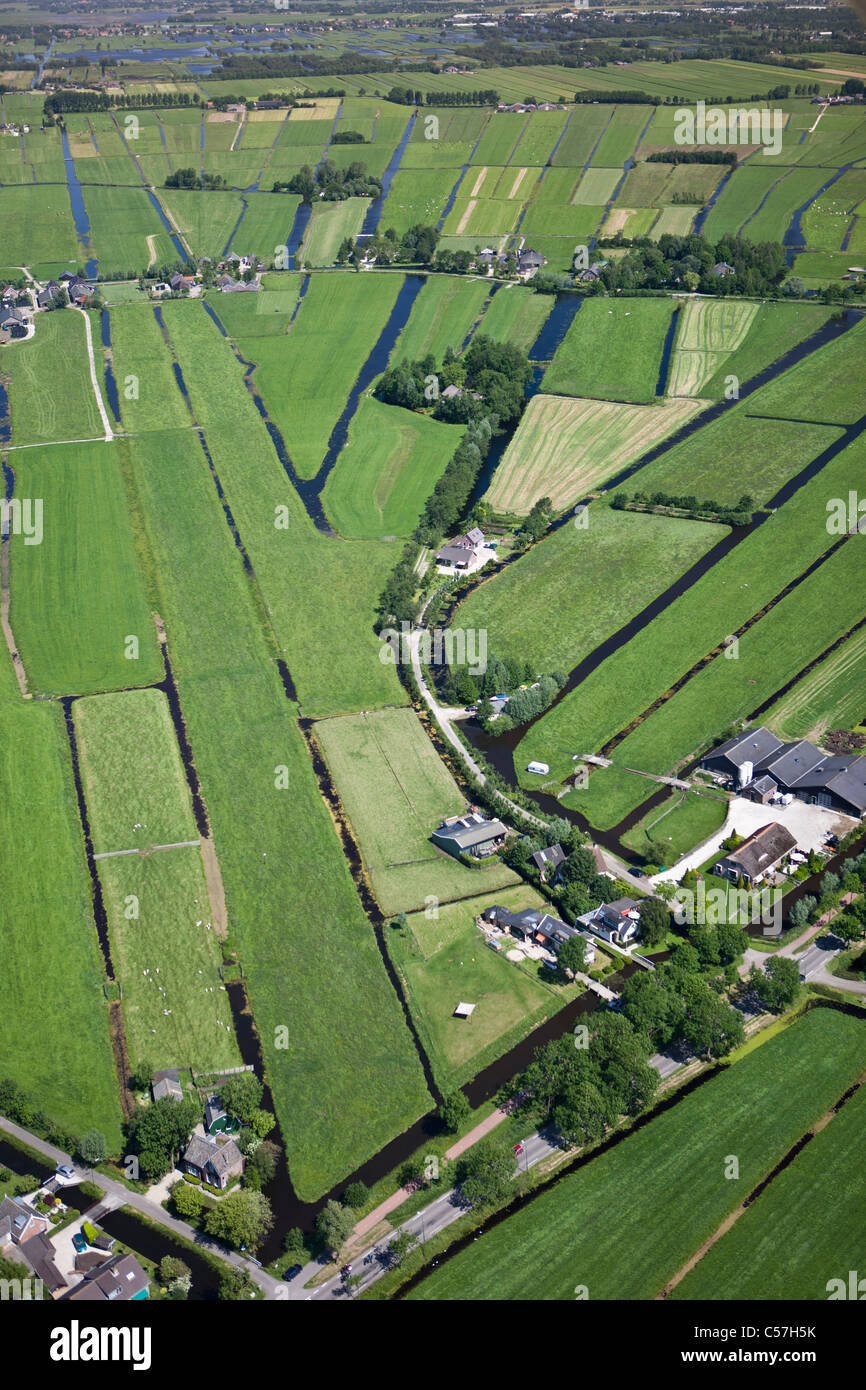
(689, 260)
(330, 183)
(448, 500)
(579, 886)
(190, 178)
(502, 676)
(240, 1219)
(415, 246)
(159, 1132)
(348, 137)
(491, 378)
(583, 1091)
(850, 924)
(738, 515)
(685, 998)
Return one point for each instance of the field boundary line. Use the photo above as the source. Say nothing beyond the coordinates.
(100, 403)
(146, 850)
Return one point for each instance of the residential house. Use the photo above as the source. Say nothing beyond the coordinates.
(721, 268)
(78, 290)
(39, 1254)
(472, 834)
(19, 1222)
(211, 1161)
(758, 856)
(214, 1111)
(617, 922)
(537, 928)
(529, 262)
(44, 297)
(10, 317)
(120, 1280)
(547, 861)
(756, 758)
(167, 1087)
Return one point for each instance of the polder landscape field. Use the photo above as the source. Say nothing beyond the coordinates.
(289, 305)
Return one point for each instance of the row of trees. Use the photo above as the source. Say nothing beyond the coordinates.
(739, 514)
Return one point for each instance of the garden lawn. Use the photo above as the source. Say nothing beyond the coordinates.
(756, 1109)
(565, 447)
(787, 1245)
(350, 1078)
(132, 771)
(177, 1014)
(396, 792)
(78, 597)
(676, 827)
(387, 470)
(576, 587)
(612, 352)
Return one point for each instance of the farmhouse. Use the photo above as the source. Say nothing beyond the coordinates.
(167, 1087)
(758, 855)
(529, 262)
(721, 268)
(536, 928)
(618, 922)
(45, 297)
(464, 550)
(212, 1162)
(474, 835)
(760, 766)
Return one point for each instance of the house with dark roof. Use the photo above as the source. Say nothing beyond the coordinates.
(461, 552)
(547, 861)
(758, 856)
(617, 922)
(535, 927)
(120, 1280)
(211, 1161)
(756, 758)
(721, 268)
(167, 1087)
(529, 262)
(39, 1254)
(472, 834)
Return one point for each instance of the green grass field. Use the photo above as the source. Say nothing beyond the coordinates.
(614, 353)
(681, 823)
(329, 225)
(707, 331)
(121, 221)
(417, 195)
(396, 791)
(205, 220)
(132, 772)
(285, 557)
(553, 606)
(350, 1078)
(147, 392)
(55, 1018)
(820, 387)
(78, 598)
(756, 1109)
(565, 447)
(442, 316)
(387, 470)
(516, 316)
(829, 697)
(180, 1016)
(38, 225)
(57, 352)
(787, 1245)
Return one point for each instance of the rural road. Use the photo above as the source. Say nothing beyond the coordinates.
(100, 403)
(425, 1224)
(122, 1196)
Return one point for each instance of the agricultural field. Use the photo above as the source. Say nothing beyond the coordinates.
(566, 447)
(79, 608)
(56, 352)
(820, 1243)
(443, 316)
(329, 226)
(418, 196)
(614, 353)
(384, 475)
(757, 1109)
(516, 316)
(395, 791)
(707, 332)
(38, 226)
(205, 223)
(126, 232)
(133, 777)
(829, 697)
(677, 826)
(554, 605)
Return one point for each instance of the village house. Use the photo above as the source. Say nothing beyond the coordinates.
(617, 922)
(529, 263)
(472, 834)
(166, 1087)
(758, 856)
(118, 1280)
(211, 1161)
(19, 1223)
(547, 861)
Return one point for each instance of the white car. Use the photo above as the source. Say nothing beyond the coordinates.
(64, 1171)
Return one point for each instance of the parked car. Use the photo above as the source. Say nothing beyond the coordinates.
(79, 1242)
(64, 1171)
(518, 1148)
(293, 1271)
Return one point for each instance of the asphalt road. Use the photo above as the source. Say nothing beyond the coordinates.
(423, 1225)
